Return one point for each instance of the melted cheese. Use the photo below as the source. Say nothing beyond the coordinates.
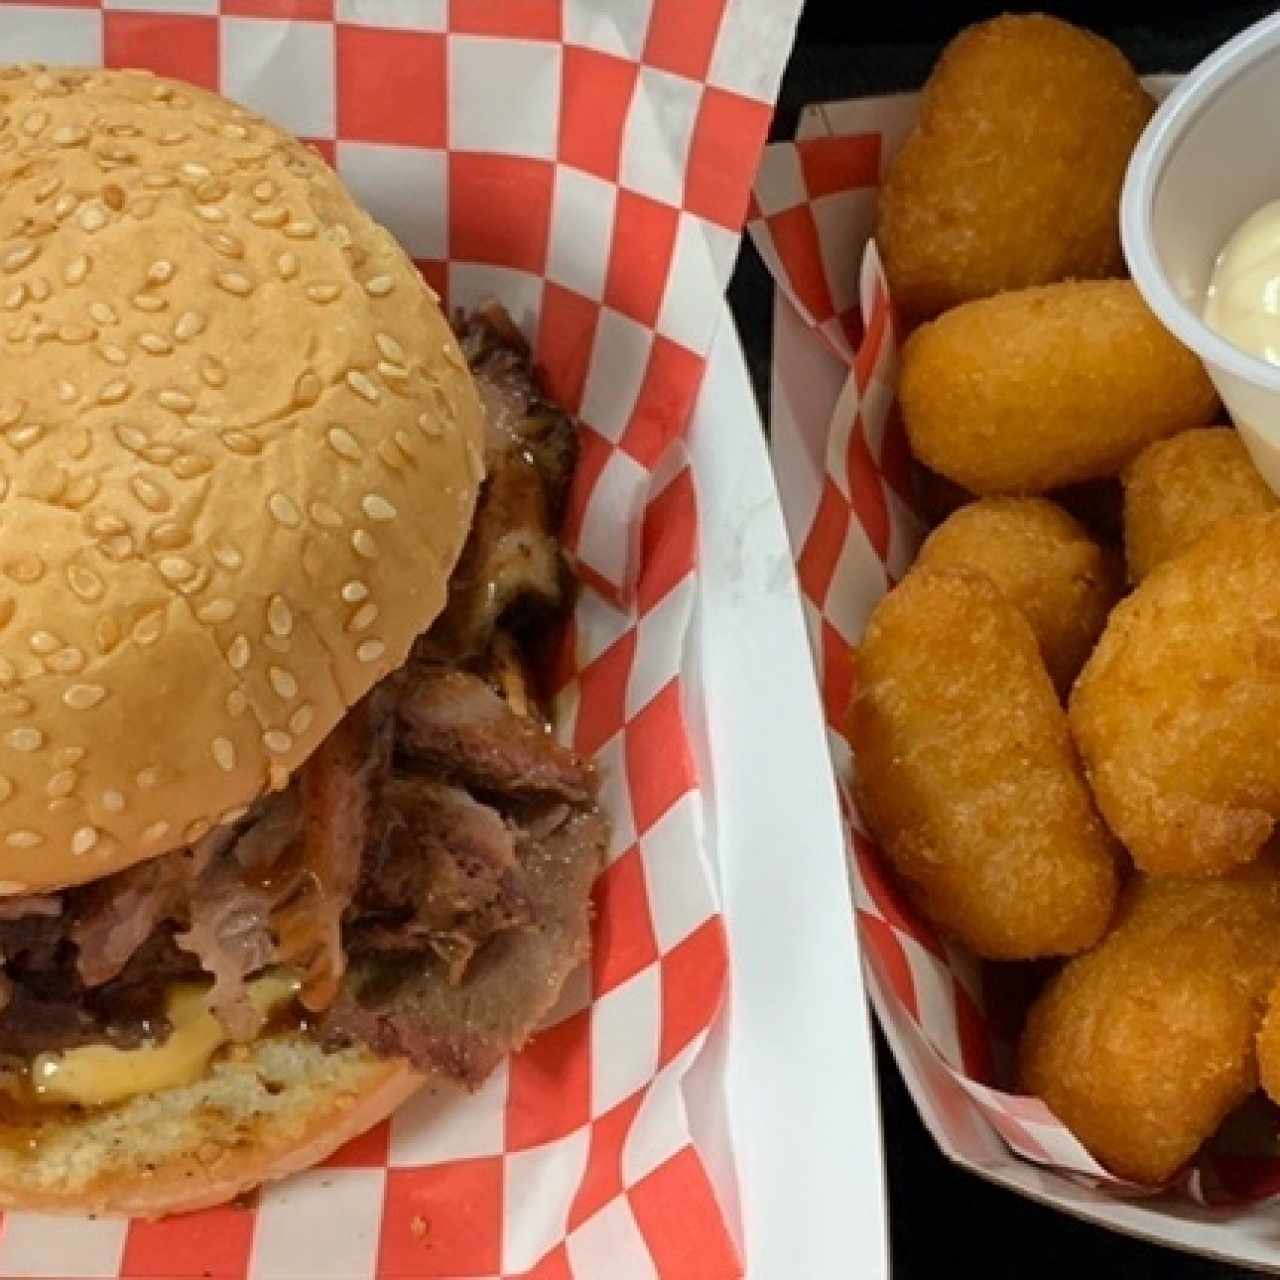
(95, 1075)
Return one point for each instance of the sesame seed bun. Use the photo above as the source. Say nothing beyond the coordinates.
(239, 456)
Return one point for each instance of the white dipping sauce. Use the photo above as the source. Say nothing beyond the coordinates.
(1242, 302)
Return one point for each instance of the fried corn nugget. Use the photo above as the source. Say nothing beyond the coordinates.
(1268, 1046)
(1177, 711)
(966, 774)
(1027, 391)
(1044, 562)
(1143, 1046)
(1012, 175)
(1176, 490)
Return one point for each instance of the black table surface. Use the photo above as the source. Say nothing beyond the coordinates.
(944, 1221)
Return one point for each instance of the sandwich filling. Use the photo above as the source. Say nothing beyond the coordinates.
(375, 898)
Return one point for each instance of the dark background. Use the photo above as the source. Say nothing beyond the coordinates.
(944, 1222)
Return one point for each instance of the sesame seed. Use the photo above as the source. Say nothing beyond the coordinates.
(23, 436)
(176, 568)
(189, 465)
(197, 171)
(241, 442)
(279, 616)
(390, 348)
(93, 217)
(26, 738)
(224, 753)
(68, 392)
(65, 205)
(379, 286)
(84, 839)
(363, 618)
(80, 697)
(34, 122)
(283, 682)
(66, 661)
(238, 653)
(287, 265)
(74, 334)
(364, 544)
(158, 181)
(325, 515)
(344, 444)
(150, 494)
(225, 243)
(101, 313)
(15, 297)
(300, 229)
(69, 135)
(148, 778)
(171, 137)
(24, 839)
(114, 392)
(301, 719)
(62, 783)
(277, 741)
(177, 401)
(269, 217)
(84, 582)
(370, 650)
(77, 269)
(376, 507)
(113, 800)
(40, 289)
(154, 344)
(363, 385)
(323, 293)
(284, 510)
(264, 189)
(19, 257)
(213, 372)
(233, 815)
(190, 324)
(306, 390)
(113, 354)
(235, 282)
(156, 831)
(236, 703)
(211, 213)
(150, 627)
(160, 271)
(390, 453)
(354, 591)
(44, 642)
(218, 610)
(228, 556)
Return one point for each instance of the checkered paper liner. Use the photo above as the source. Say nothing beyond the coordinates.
(845, 481)
(587, 163)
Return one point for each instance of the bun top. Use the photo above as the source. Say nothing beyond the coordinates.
(239, 455)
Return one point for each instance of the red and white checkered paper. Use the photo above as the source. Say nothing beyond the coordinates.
(843, 468)
(588, 163)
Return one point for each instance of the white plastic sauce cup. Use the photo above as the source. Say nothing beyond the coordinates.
(1209, 157)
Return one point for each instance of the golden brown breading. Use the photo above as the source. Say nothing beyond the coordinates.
(1048, 386)
(1176, 490)
(1177, 712)
(1044, 562)
(967, 776)
(1012, 175)
(1144, 1045)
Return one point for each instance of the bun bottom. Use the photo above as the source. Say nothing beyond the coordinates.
(280, 1105)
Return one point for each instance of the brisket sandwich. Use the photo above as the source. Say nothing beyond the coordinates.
(283, 835)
